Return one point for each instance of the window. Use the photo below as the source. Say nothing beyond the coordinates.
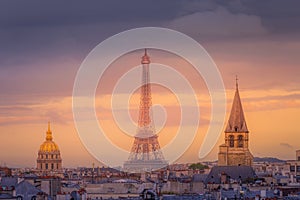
(298, 168)
(52, 166)
(46, 165)
(236, 129)
(292, 168)
(240, 141)
(231, 141)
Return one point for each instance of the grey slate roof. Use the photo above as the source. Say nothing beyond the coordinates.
(199, 177)
(6, 196)
(231, 194)
(9, 181)
(25, 188)
(235, 173)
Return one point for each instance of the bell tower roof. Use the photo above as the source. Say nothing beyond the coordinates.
(236, 122)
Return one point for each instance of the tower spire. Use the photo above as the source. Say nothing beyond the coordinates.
(49, 130)
(236, 122)
(236, 82)
(49, 133)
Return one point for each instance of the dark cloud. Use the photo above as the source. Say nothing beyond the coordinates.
(39, 38)
(32, 31)
(36, 13)
(219, 23)
(278, 16)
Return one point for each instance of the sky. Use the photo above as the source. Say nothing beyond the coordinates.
(42, 45)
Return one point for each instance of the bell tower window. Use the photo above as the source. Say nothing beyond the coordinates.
(240, 141)
(231, 141)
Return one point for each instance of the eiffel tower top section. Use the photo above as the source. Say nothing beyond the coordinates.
(145, 116)
(145, 58)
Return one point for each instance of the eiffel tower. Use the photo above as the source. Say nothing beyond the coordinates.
(145, 154)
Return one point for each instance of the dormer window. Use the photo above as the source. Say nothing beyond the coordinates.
(236, 129)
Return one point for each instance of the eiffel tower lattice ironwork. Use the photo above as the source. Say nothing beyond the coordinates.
(145, 154)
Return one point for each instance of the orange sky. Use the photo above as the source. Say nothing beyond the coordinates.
(271, 116)
(43, 46)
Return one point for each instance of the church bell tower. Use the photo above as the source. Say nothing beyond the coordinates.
(235, 151)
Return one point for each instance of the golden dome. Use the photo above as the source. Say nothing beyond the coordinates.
(49, 146)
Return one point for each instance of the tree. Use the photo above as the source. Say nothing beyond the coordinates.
(198, 166)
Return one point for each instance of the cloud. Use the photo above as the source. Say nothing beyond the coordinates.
(57, 109)
(219, 22)
(34, 13)
(286, 145)
(267, 100)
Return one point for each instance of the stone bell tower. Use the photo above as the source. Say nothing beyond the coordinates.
(235, 151)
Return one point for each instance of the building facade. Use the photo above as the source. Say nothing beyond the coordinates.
(49, 158)
(294, 166)
(235, 151)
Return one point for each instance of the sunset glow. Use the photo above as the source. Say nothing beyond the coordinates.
(39, 61)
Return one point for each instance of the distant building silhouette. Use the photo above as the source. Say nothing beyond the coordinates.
(235, 150)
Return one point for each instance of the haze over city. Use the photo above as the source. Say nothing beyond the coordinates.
(43, 44)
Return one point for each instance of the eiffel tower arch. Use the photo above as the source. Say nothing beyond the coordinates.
(145, 154)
